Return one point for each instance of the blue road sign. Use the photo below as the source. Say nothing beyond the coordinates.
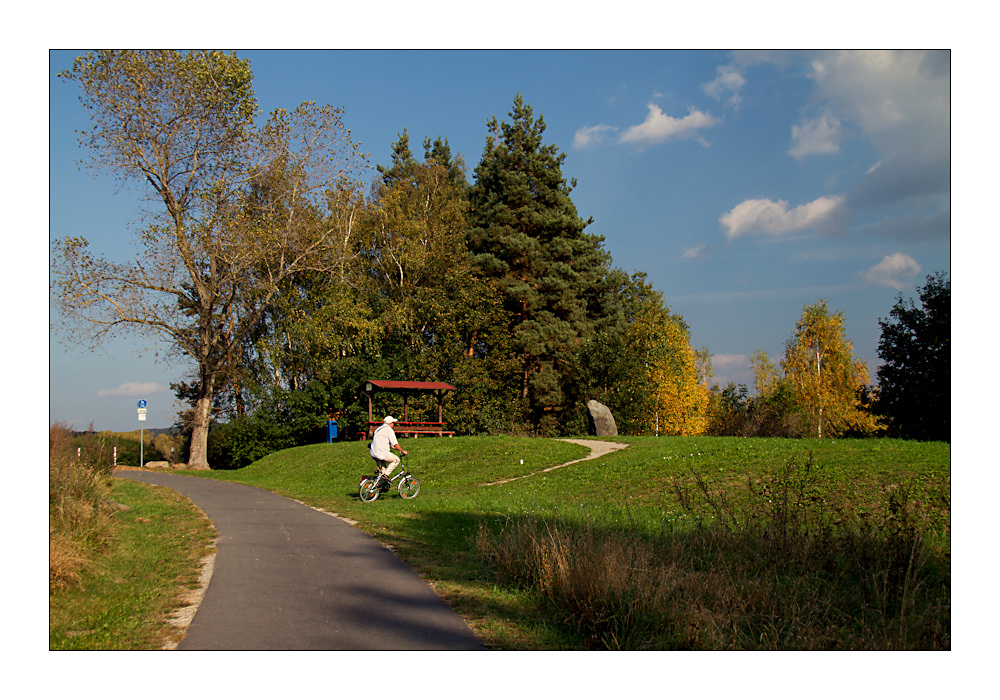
(142, 403)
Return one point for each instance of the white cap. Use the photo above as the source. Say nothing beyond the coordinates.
(389, 419)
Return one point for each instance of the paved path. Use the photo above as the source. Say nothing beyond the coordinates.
(287, 576)
(598, 448)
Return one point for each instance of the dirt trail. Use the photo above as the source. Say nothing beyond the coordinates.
(598, 448)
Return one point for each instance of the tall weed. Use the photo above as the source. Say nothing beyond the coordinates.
(771, 566)
(80, 515)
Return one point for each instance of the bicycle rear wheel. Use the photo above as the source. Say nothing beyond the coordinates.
(368, 491)
(408, 487)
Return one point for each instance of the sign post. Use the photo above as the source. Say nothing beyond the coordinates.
(142, 419)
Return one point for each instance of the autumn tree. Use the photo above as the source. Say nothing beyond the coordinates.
(914, 381)
(530, 242)
(643, 366)
(681, 399)
(236, 206)
(825, 378)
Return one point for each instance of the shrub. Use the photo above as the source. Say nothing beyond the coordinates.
(282, 419)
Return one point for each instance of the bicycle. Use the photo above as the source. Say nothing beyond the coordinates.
(371, 486)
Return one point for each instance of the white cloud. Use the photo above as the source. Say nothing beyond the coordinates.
(728, 79)
(589, 135)
(727, 362)
(901, 102)
(891, 267)
(897, 101)
(658, 127)
(769, 218)
(696, 252)
(813, 136)
(131, 389)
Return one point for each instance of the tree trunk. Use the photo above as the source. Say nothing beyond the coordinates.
(202, 419)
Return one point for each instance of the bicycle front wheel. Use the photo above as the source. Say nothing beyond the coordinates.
(368, 491)
(408, 487)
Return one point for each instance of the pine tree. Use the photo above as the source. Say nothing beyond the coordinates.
(439, 152)
(403, 161)
(529, 240)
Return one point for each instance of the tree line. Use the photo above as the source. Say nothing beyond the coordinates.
(287, 278)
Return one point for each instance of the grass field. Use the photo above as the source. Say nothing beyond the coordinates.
(672, 543)
(127, 591)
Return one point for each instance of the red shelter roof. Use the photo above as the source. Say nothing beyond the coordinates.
(390, 384)
(370, 386)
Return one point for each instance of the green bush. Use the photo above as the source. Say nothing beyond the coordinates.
(282, 419)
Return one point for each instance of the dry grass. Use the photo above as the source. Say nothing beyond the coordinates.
(774, 573)
(80, 515)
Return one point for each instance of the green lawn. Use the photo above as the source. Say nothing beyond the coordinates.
(127, 594)
(658, 495)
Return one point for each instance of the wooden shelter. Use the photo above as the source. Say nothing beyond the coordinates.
(405, 426)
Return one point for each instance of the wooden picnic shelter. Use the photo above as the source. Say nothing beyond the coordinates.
(405, 426)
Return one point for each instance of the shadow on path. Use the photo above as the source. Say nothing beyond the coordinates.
(289, 577)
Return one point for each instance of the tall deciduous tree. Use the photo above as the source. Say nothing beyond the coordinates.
(440, 318)
(914, 381)
(643, 367)
(681, 398)
(765, 373)
(826, 379)
(529, 240)
(215, 261)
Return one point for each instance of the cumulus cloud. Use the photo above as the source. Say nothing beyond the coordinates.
(132, 389)
(696, 252)
(659, 127)
(816, 136)
(766, 217)
(891, 267)
(590, 135)
(731, 368)
(729, 80)
(901, 102)
(728, 362)
(897, 101)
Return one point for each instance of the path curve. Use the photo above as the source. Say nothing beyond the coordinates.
(598, 448)
(289, 577)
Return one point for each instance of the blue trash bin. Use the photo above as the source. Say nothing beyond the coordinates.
(331, 430)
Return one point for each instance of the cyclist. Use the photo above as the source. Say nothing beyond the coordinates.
(383, 442)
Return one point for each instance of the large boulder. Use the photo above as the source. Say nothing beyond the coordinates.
(602, 423)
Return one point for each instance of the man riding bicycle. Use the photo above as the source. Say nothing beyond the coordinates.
(383, 442)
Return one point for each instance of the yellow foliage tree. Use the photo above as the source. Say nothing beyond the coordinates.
(681, 402)
(825, 377)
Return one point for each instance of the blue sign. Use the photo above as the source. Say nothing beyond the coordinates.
(142, 403)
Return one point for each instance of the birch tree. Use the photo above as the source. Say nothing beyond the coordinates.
(826, 379)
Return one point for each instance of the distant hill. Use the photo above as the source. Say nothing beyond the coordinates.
(148, 432)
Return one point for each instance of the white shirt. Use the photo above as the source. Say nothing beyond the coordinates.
(384, 438)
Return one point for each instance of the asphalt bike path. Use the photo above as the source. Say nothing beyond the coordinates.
(288, 577)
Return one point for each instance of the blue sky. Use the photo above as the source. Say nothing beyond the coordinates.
(746, 184)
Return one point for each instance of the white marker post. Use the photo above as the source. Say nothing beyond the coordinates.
(142, 419)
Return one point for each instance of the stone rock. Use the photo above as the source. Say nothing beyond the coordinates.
(602, 423)
(157, 465)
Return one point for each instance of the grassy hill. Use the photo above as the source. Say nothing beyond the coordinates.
(681, 543)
